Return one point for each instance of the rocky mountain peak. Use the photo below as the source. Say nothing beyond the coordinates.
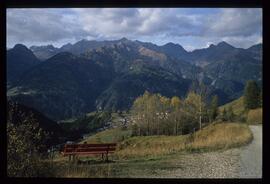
(20, 47)
(224, 44)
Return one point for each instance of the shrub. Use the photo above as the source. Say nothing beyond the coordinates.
(254, 116)
(24, 142)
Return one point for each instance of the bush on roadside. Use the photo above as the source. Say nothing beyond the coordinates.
(254, 116)
(24, 142)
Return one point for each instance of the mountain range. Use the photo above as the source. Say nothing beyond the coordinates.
(78, 78)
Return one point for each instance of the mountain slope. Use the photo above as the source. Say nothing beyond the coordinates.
(256, 51)
(127, 87)
(173, 50)
(125, 53)
(226, 69)
(19, 60)
(63, 86)
(213, 53)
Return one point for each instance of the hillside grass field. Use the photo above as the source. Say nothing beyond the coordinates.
(213, 137)
(253, 116)
(142, 154)
(237, 106)
(110, 135)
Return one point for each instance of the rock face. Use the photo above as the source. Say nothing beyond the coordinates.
(81, 77)
(44, 52)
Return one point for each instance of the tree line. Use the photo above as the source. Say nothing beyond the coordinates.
(154, 114)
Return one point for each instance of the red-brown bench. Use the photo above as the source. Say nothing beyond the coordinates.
(89, 149)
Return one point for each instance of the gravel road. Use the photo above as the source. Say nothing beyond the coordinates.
(244, 162)
(251, 156)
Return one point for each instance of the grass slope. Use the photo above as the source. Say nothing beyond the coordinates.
(253, 116)
(237, 106)
(141, 156)
(110, 135)
(212, 137)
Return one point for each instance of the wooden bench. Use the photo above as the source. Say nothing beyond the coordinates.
(88, 149)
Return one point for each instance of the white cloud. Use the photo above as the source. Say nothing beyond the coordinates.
(235, 22)
(41, 25)
(209, 43)
(238, 26)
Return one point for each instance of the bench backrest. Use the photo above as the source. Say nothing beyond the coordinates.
(89, 148)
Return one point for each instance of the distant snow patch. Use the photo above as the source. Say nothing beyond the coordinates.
(214, 82)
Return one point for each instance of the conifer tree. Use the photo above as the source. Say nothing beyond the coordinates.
(214, 108)
(224, 115)
(230, 114)
(252, 95)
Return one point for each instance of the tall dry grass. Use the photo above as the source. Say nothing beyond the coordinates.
(150, 146)
(216, 136)
(222, 136)
(254, 116)
(92, 170)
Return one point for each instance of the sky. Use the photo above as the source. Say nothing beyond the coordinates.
(193, 28)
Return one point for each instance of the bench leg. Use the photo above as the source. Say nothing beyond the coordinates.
(102, 156)
(73, 158)
(76, 159)
(107, 159)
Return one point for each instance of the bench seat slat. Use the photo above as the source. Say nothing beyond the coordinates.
(91, 149)
(87, 153)
(87, 149)
(89, 145)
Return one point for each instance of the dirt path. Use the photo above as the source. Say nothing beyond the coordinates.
(251, 156)
(244, 162)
